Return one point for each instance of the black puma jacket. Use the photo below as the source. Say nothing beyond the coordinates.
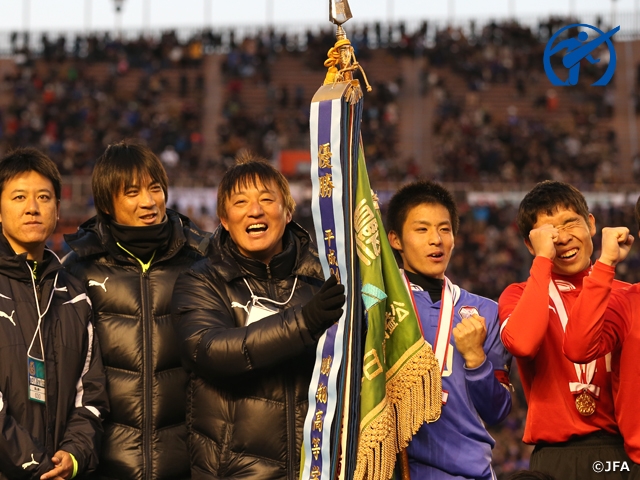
(145, 435)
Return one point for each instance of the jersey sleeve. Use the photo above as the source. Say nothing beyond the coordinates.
(524, 312)
(488, 384)
(596, 325)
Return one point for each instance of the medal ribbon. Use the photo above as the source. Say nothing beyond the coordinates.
(445, 324)
(584, 372)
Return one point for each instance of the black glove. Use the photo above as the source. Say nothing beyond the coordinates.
(325, 307)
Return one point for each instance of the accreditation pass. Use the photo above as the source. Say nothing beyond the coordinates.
(37, 392)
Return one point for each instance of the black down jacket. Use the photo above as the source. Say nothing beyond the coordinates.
(76, 397)
(145, 436)
(248, 393)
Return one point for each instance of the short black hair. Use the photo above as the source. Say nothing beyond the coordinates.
(119, 167)
(418, 193)
(249, 170)
(547, 197)
(22, 160)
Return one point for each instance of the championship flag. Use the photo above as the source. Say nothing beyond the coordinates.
(401, 382)
(365, 400)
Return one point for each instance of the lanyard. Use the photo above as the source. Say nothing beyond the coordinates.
(257, 300)
(38, 332)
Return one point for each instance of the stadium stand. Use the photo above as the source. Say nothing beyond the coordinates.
(470, 107)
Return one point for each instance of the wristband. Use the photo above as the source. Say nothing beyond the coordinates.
(75, 465)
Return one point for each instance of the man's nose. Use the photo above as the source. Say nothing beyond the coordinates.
(33, 207)
(563, 236)
(434, 238)
(147, 199)
(255, 209)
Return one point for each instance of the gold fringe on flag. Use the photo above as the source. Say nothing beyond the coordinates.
(414, 396)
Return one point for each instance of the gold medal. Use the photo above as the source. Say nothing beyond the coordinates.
(585, 404)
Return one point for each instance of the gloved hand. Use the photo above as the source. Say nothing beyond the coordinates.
(325, 307)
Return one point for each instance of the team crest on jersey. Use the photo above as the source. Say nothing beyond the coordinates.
(565, 286)
(466, 312)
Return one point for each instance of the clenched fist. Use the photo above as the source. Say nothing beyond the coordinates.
(616, 243)
(543, 241)
(469, 336)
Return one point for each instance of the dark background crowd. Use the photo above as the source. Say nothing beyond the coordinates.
(73, 96)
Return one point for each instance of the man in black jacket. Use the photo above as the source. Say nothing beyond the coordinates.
(129, 257)
(52, 385)
(249, 318)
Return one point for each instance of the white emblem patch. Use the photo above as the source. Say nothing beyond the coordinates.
(93, 283)
(10, 317)
(28, 464)
(466, 312)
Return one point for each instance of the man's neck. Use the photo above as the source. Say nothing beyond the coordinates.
(431, 285)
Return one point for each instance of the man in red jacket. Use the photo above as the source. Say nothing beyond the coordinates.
(571, 416)
(606, 321)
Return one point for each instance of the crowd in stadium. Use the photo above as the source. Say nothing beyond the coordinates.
(60, 105)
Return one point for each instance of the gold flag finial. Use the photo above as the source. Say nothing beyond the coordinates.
(341, 60)
(339, 11)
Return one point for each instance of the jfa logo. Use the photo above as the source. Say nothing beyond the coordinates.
(615, 466)
(578, 48)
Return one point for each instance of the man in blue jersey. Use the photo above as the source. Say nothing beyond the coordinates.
(464, 333)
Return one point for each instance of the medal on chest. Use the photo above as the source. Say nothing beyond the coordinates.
(585, 404)
(585, 392)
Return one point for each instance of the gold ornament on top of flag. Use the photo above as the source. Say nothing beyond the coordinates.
(339, 11)
(341, 60)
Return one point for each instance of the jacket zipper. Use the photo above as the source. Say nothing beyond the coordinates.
(146, 374)
(290, 405)
(292, 472)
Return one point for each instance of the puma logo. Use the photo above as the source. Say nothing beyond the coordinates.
(28, 464)
(239, 305)
(93, 283)
(10, 317)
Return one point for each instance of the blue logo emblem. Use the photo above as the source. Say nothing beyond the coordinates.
(577, 49)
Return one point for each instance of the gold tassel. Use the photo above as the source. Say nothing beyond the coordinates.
(414, 396)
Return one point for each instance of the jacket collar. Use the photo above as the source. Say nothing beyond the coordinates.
(94, 238)
(299, 257)
(15, 266)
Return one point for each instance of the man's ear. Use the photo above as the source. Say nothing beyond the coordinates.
(527, 244)
(592, 225)
(394, 240)
(224, 223)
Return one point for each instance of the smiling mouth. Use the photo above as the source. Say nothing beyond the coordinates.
(150, 216)
(257, 228)
(570, 254)
(436, 255)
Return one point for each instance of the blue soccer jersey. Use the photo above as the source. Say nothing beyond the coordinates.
(458, 446)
